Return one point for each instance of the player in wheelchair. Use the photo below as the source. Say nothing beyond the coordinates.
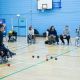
(12, 35)
(77, 39)
(4, 52)
(31, 35)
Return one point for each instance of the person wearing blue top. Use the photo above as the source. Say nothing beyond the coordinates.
(53, 37)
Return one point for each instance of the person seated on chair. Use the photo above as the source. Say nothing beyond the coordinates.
(78, 35)
(6, 51)
(78, 31)
(65, 35)
(53, 37)
(11, 34)
(31, 33)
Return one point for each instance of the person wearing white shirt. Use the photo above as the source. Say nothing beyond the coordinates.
(31, 35)
(31, 30)
(65, 35)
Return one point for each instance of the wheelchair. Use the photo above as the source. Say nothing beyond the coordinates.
(12, 36)
(12, 39)
(31, 39)
(3, 57)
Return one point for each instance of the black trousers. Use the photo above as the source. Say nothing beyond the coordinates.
(62, 37)
(53, 39)
(6, 51)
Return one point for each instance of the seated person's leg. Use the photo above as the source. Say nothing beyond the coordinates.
(68, 39)
(15, 34)
(51, 39)
(8, 52)
(57, 39)
(29, 38)
(62, 39)
(1, 53)
(2, 49)
(33, 37)
(9, 37)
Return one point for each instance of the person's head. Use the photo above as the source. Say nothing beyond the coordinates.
(66, 27)
(30, 28)
(47, 29)
(2, 27)
(52, 28)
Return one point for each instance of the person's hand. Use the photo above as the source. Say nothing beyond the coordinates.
(2, 53)
(64, 36)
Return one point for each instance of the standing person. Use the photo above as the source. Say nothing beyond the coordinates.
(6, 51)
(53, 37)
(65, 35)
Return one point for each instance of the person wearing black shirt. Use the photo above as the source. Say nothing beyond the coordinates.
(6, 51)
(53, 37)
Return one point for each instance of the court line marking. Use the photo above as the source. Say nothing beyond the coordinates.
(21, 47)
(71, 56)
(29, 51)
(34, 65)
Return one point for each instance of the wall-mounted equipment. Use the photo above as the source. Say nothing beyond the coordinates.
(44, 4)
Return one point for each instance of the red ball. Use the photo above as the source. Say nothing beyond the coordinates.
(8, 65)
(46, 59)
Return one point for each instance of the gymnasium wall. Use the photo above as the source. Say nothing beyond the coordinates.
(69, 14)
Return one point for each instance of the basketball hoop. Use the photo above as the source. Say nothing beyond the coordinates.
(44, 7)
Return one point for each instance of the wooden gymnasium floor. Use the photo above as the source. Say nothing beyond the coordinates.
(24, 67)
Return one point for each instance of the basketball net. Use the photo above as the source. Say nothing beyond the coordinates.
(42, 10)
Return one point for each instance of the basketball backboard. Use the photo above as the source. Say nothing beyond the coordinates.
(44, 4)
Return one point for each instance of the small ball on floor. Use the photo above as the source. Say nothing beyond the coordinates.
(51, 57)
(55, 58)
(32, 56)
(38, 57)
(8, 65)
(46, 59)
